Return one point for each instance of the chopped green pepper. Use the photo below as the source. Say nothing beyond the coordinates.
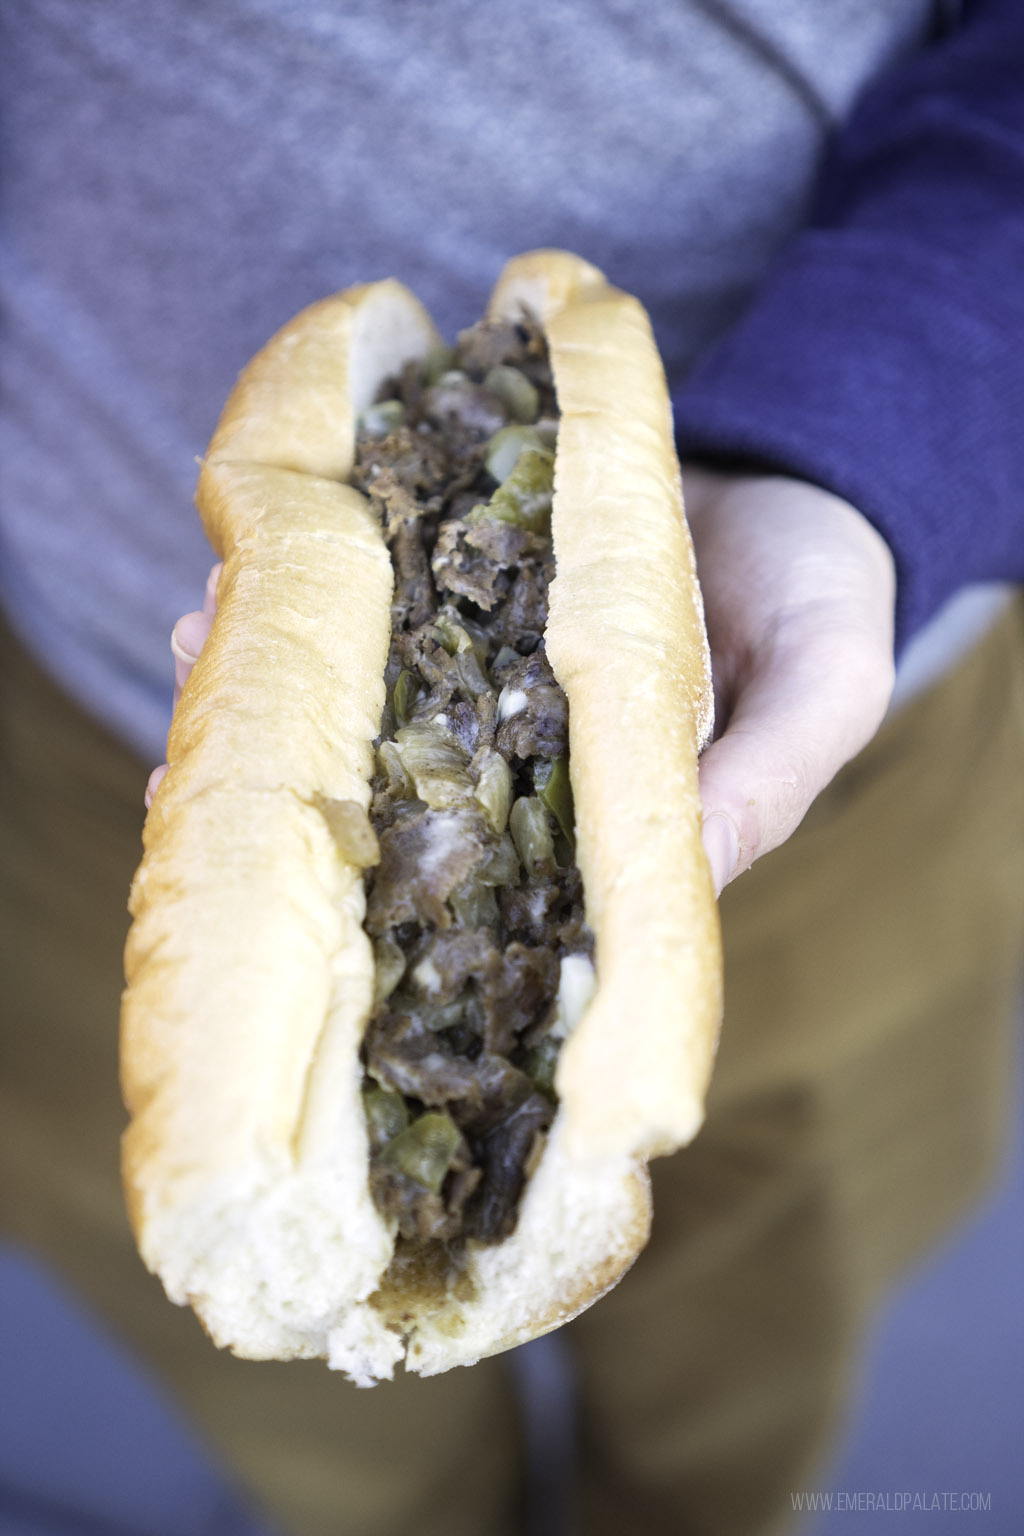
(524, 497)
(437, 767)
(381, 419)
(404, 696)
(494, 790)
(504, 448)
(425, 1149)
(389, 968)
(461, 637)
(541, 1062)
(472, 904)
(551, 781)
(471, 673)
(386, 1115)
(437, 363)
(514, 390)
(501, 866)
(399, 781)
(531, 833)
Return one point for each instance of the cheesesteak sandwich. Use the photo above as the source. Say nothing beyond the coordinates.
(425, 960)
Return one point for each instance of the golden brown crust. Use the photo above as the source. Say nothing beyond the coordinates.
(295, 403)
(581, 1225)
(248, 971)
(626, 640)
(249, 975)
(246, 961)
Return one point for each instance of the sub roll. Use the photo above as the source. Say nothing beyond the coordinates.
(425, 962)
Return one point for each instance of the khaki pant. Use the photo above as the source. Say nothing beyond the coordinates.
(871, 974)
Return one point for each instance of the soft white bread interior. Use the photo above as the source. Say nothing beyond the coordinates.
(296, 403)
(249, 975)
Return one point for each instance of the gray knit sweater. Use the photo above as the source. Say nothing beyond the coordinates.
(177, 179)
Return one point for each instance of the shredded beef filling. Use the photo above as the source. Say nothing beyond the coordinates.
(476, 898)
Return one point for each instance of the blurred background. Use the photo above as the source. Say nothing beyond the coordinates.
(179, 178)
(89, 1446)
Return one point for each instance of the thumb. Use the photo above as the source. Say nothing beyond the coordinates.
(814, 698)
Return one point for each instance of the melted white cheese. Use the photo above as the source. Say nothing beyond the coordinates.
(428, 977)
(510, 702)
(576, 986)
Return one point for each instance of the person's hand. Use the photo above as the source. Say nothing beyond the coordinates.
(799, 593)
(187, 638)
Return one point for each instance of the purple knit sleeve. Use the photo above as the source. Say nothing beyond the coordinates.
(884, 356)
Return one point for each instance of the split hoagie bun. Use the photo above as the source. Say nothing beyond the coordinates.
(250, 978)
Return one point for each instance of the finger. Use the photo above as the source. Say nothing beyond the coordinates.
(210, 595)
(813, 702)
(187, 639)
(154, 780)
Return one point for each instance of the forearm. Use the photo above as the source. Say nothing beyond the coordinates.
(882, 359)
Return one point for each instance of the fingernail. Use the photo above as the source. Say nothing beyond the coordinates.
(154, 781)
(179, 651)
(722, 846)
